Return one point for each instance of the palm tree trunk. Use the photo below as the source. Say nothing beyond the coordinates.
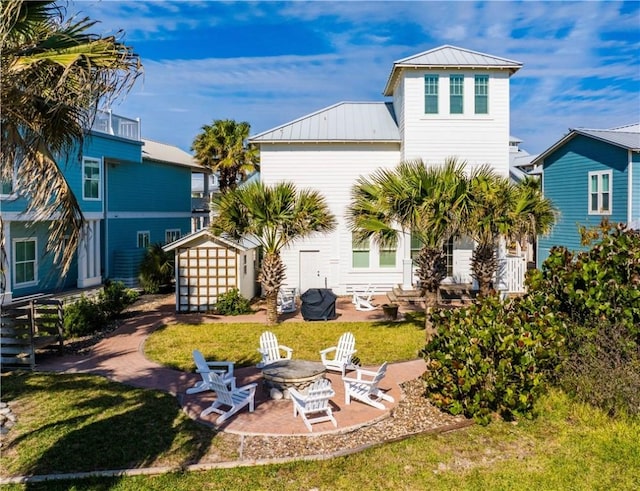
(271, 303)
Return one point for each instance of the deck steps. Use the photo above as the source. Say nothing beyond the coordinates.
(453, 294)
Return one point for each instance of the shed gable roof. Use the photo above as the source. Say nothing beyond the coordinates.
(449, 57)
(342, 122)
(201, 236)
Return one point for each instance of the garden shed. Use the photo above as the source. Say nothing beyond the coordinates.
(208, 266)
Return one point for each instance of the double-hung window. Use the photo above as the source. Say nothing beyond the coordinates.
(482, 94)
(91, 178)
(360, 253)
(25, 264)
(171, 234)
(387, 257)
(456, 91)
(431, 94)
(144, 238)
(600, 192)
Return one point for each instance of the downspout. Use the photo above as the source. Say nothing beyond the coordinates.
(105, 214)
(629, 187)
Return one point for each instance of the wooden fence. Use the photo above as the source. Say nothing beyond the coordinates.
(27, 327)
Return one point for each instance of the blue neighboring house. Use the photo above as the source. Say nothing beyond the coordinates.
(132, 192)
(590, 174)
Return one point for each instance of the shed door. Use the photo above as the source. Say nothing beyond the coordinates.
(311, 271)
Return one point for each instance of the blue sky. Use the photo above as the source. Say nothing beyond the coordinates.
(268, 63)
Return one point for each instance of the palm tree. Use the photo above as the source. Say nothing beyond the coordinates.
(275, 216)
(54, 75)
(221, 147)
(532, 214)
(498, 209)
(428, 202)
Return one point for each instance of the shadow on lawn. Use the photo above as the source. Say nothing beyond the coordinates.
(91, 424)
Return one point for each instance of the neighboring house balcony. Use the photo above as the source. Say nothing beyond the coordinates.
(112, 124)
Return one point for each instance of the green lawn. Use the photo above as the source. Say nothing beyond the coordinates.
(72, 423)
(376, 342)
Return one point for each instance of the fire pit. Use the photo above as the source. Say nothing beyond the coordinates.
(285, 374)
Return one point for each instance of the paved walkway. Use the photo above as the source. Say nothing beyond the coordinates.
(120, 357)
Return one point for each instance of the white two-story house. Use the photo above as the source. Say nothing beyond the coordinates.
(445, 102)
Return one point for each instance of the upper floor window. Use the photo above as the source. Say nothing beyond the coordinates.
(91, 178)
(482, 94)
(25, 263)
(171, 235)
(431, 94)
(456, 91)
(600, 192)
(360, 253)
(6, 188)
(144, 239)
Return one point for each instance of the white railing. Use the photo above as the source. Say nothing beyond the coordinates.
(112, 124)
(511, 273)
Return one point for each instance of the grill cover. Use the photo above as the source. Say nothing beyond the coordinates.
(318, 304)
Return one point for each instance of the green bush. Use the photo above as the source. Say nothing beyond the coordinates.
(232, 303)
(88, 315)
(115, 297)
(83, 317)
(156, 269)
(492, 357)
(599, 291)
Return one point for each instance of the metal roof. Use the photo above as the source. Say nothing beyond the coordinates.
(627, 137)
(446, 57)
(195, 238)
(161, 152)
(342, 122)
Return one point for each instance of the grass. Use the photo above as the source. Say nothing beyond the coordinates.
(376, 342)
(82, 422)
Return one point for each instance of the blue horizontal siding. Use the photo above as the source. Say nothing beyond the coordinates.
(49, 275)
(635, 188)
(149, 187)
(121, 234)
(566, 184)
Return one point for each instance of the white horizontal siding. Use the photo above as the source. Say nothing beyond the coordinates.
(331, 169)
(476, 138)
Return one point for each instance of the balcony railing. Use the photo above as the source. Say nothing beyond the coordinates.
(112, 124)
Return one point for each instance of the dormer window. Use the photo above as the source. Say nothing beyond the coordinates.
(456, 91)
(431, 94)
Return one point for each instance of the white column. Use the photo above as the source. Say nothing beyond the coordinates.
(89, 256)
(6, 296)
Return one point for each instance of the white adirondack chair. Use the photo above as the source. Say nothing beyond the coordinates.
(286, 300)
(343, 354)
(314, 407)
(272, 351)
(206, 368)
(364, 387)
(362, 299)
(233, 397)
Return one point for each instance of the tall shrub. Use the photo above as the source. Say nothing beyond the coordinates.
(492, 357)
(156, 269)
(599, 291)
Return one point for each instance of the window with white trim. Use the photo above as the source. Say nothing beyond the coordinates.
(416, 247)
(171, 234)
(25, 262)
(91, 178)
(431, 94)
(144, 239)
(600, 195)
(482, 94)
(456, 92)
(387, 257)
(360, 253)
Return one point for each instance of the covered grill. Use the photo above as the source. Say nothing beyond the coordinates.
(318, 304)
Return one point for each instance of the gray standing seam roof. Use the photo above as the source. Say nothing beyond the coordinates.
(342, 122)
(449, 56)
(626, 139)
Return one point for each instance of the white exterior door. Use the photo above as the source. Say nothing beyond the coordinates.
(312, 274)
